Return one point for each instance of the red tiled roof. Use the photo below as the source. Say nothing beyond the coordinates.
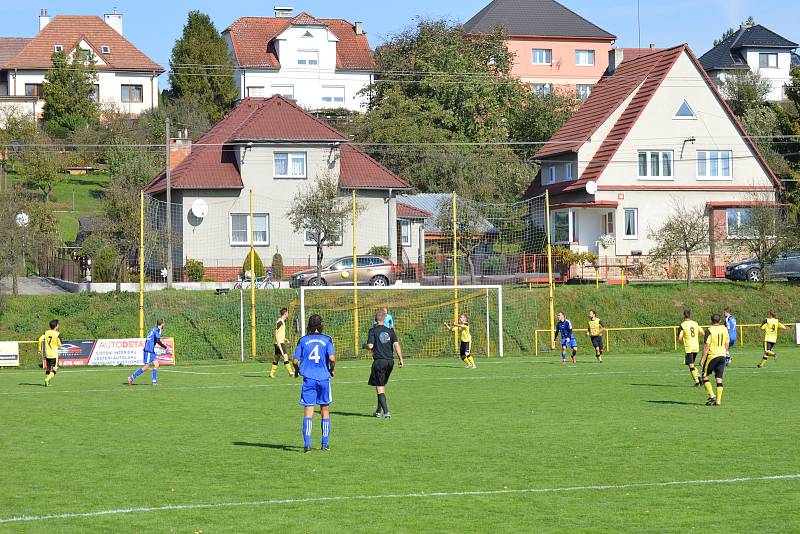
(68, 30)
(648, 71)
(10, 47)
(404, 211)
(253, 46)
(212, 161)
(629, 54)
(595, 204)
(359, 171)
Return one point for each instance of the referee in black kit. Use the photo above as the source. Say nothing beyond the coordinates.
(382, 341)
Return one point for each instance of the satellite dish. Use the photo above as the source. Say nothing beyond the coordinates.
(591, 187)
(200, 208)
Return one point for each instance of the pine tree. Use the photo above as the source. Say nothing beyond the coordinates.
(202, 68)
(69, 89)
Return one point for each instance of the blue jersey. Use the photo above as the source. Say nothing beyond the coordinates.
(313, 352)
(389, 321)
(564, 329)
(153, 338)
(730, 324)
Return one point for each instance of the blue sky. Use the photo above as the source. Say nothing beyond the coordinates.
(154, 25)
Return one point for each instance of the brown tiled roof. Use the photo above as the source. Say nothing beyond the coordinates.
(253, 46)
(404, 211)
(304, 19)
(212, 162)
(648, 71)
(68, 30)
(10, 47)
(629, 54)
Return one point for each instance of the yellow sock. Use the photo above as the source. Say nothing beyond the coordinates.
(289, 368)
(273, 370)
(471, 360)
(49, 377)
(763, 360)
(695, 375)
(719, 394)
(709, 389)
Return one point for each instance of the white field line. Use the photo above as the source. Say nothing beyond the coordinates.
(391, 496)
(296, 383)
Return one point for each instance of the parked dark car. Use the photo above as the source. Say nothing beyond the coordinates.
(372, 270)
(787, 265)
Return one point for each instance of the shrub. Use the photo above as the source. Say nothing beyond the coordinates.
(379, 250)
(432, 265)
(495, 264)
(194, 270)
(259, 265)
(277, 266)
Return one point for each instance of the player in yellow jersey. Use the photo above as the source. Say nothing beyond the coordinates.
(50, 341)
(771, 325)
(280, 342)
(713, 361)
(466, 340)
(595, 332)
(690, 333)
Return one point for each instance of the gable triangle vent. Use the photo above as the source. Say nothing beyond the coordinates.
(685, 111)
(307, 34)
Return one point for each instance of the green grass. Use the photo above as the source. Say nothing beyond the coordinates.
(214, 434)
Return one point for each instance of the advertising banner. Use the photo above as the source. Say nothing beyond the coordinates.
(128, 352)
(9, 354)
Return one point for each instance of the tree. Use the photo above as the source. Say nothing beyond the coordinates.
(473, 230)
(320, 212)
(202, 68)
(730, 31)
(41, 165)
(744, 90)
(69, 91)
(11, 235)
(766, 234)
(19, 128)
(685, 231)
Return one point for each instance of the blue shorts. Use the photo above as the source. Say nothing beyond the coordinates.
(733, 342)
(573, 343)
(315, 392)
(150, 357)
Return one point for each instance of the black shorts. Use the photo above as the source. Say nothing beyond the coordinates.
(465, 346)
(278, 350)
(50, 364)
(381, 370)
(597, 342)
(769, 345)
(690, 358)
(716, 366)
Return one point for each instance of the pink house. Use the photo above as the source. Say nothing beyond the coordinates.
(555, 49)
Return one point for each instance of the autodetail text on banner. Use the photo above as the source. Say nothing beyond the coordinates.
(74, 353)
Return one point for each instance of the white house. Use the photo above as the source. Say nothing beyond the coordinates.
(273, 148)
(757, 49)
(320, 63)
(654, 133)
(126, 78)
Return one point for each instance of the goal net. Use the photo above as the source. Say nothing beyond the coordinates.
(419, 314)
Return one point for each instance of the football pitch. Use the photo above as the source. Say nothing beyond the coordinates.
(517, 445)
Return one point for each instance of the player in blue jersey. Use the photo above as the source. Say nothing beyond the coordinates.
(730, 324)
(314, 359)
(153, 339)
(564, 329)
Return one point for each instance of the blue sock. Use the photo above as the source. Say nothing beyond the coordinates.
(326, 431)
(155, 376)
(137, 373)
(307, 424)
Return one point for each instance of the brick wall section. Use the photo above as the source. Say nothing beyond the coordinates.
(226, 274)
(179, 150)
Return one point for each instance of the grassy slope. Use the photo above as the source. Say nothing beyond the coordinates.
(206, 325)
(227, 434)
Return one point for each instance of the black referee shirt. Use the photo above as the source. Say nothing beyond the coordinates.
(382, 340)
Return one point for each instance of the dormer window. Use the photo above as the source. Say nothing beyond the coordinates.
(105, 49)
(685, 111)
(58, 48)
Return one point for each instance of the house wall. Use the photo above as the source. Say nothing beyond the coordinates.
(778, 77)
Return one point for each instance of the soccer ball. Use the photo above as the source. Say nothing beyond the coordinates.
(345, 274)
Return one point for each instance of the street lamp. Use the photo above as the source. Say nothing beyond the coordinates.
(23, 220)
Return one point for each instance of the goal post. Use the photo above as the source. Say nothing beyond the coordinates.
(418, 312)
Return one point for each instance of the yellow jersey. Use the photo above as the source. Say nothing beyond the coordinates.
(770, 327)
(280, 332)
(691, 334)
(51, 340)
(466, 337)
(595, 327)
(717, 340)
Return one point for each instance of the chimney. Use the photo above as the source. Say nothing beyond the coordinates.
(745, 25)
(179, 150)
(114, 20)
(652, 46)
(359, 28)
(44, 19)
(614, 60)
(283, 12)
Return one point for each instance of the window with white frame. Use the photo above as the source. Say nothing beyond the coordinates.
(655, 164)
(284, 90)
(542, 88)
(309, 237)
(290, 165)
(569, 171)
(105, 49)
(131, 94)
(714, 164)
(738, 218)
(255, 91)
(631, 222)
(332, 95)
(308, 58)
(241, 227)
(608, 223)
(405, 232)
(551, 174)
(582, 91)
(768, 60)
(58, 48)
(565, 227)
(584, 58)
(542, 56)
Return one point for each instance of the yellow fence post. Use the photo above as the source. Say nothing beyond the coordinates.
(675, 337)
(551, 296)
(536, 342)
(355, 281)
(252, 283)
(597, 277)
(741, 335)
(455, 272)
(622, 270)
(141, 263)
